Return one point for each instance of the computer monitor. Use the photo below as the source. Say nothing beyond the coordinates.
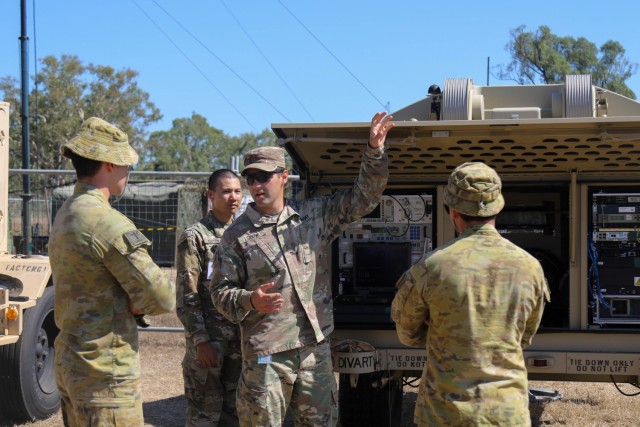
(377, 266)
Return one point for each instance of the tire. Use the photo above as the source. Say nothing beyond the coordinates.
(369, 406)
(29, 390)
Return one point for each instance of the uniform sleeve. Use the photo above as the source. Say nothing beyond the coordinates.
(148, 288)
(189, 264)
(345, 207)
(410, 311)
(227, 283)
(533, 322)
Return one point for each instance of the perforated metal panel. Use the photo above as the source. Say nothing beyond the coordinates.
(429, 150)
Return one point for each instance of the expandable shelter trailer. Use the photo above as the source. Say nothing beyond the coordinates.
(569, 158)
(27, 330)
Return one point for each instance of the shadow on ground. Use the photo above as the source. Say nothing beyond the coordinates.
(165, 413)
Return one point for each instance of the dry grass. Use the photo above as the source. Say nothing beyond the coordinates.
(583, 404)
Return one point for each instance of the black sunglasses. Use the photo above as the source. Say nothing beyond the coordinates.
(261, 176)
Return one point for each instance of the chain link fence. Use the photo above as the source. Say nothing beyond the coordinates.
(161, 205)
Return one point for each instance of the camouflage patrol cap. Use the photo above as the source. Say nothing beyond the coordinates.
(102, 141)
(267, 159)
(474, 189)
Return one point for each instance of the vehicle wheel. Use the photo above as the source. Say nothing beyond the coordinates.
(368, 405)
(28, 388)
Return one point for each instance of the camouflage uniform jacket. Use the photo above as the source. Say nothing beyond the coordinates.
(99, 262)
(194, 260)
(482, 298)
(289, 249)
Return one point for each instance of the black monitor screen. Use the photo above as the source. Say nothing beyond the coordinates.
(377, 266)
(376, 213)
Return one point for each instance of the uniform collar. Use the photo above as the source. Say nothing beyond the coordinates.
(258, 219)
(486, 229)
(85, 188)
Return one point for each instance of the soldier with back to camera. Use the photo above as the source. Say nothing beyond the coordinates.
(103, 278)
(475, 303)
(271, 275)
(212, 361)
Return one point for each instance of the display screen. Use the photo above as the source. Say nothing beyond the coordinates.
(377, 266)
(376, 213)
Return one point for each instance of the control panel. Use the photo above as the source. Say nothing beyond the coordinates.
(614, 254)
(375, 251)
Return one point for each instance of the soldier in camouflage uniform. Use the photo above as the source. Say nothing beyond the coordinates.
(475, 303)
(103, 278)
(271, 275)
(212, 362)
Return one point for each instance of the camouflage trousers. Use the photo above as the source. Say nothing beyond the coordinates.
(211, 392)
(301, 379)
(98, 402)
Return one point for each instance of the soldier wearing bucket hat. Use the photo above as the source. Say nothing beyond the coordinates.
(101, 141)
(104, 281)
(477, 301)
(475, 190)
(271, 276)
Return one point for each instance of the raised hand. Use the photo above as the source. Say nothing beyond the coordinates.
(380, 125)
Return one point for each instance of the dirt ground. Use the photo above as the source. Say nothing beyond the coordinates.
(583, 404)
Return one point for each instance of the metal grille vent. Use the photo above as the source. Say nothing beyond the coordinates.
(536, 155)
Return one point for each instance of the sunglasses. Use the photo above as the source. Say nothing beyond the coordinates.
(261, 176)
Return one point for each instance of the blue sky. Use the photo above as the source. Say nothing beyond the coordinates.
(334, 60)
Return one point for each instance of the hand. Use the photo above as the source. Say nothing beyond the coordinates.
(380, 125)
(264, 302)
(207, 355)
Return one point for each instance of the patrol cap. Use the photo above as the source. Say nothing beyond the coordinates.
(267, 159)
(474, 189)
(102, 141)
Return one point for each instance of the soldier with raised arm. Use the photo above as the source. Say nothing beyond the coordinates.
(271, 275)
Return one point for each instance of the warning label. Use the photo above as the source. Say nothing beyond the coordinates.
(581, 363)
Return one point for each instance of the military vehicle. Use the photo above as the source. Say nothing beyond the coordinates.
(569, 158)
(27, 329)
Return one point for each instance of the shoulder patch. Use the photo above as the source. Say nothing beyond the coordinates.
(135, 238)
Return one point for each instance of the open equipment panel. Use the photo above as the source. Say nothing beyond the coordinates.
(569, 159)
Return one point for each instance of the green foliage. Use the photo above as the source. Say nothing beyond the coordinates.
(543, 57)
(66, 93)
(193, 145)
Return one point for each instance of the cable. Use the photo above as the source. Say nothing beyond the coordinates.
(622, 392)
(267, 60)
(412, 383)
(384, 106)
(221, 61)
(424, 212)
(593, 256)
(195, 66)
(406, 214)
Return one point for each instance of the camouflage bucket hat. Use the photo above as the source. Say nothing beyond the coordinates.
(102, 141)
(267, 159)
(474, 189)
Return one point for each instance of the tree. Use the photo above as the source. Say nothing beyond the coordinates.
(543, 57)
(193, 145)
(65, 93)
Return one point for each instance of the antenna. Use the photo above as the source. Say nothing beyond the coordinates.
(26, 179)
(488, 62)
